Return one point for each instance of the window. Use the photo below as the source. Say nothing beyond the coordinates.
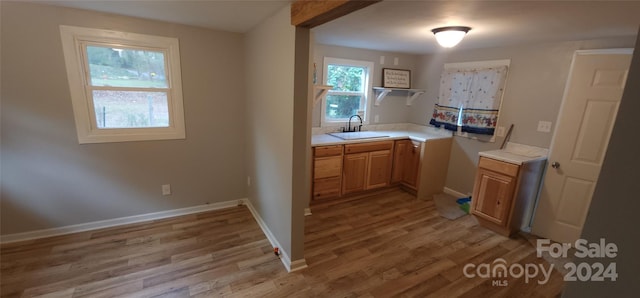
(124, 86)
(351, 81)
(470, 98)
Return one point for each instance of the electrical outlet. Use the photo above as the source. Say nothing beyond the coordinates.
(500, 131)
(166, 189)
(376, 118)
(544, 126)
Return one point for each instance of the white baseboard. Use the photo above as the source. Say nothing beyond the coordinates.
(284, 256)
(116, 222)
(454, 193)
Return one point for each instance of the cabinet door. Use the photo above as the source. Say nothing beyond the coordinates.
(354, 173)
(412, 164)
(399, 160)
(379, 169)
(492, 196)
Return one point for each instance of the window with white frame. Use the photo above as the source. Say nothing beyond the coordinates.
(124, 86)
(351, 81)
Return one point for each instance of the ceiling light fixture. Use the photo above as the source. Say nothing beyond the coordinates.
(450, 36)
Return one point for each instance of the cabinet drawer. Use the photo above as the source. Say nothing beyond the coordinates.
(327, 150)
(368, 147)
(326, 188)
(325, 167)
(498, 166)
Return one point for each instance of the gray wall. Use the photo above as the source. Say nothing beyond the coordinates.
(269, 83)
(393, 108)
(534, 91)
(49, 180)
(615, 204)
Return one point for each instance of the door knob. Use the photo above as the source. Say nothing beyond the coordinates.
(555, 165)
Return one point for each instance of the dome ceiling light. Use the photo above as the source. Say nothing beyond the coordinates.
(450, 36)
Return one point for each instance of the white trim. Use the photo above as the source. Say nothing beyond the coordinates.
(73, 41)
(621, 51)
(116, 222)
(454, 193)
(284, 256)
(368, 94)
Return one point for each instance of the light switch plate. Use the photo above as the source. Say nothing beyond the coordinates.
(500, 131)
(166, 189)
(376, 118)
(544, 126)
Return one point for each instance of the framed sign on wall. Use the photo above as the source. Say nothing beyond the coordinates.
(396, 78)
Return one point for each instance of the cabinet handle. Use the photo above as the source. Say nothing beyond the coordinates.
(555, 165)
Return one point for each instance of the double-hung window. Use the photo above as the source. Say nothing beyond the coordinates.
(124, 86)
(351, 81)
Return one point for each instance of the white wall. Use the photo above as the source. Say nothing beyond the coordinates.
(269, 84)
(534, 90)
(49, 180)
(393, 109)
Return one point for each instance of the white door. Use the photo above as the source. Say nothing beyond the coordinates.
(592, 96)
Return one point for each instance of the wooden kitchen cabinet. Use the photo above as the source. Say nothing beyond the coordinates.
(494, 195)
(355, 171)
(502, 193)
(406, 163)
(399, 158)
(327, 171)
(367, 166)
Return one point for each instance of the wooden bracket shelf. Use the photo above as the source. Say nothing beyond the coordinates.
(412, 94)
(319, 91)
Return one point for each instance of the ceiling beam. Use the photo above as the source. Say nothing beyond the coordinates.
(311, 13)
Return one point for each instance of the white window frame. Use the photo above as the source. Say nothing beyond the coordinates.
(368, 87)
(74, 42)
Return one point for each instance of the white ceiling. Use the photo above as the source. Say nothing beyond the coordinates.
(404, 26)
(230, 15)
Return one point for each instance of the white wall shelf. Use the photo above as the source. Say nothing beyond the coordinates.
(319, 92)
(382, 92)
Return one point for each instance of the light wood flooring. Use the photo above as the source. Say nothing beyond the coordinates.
(385, 245)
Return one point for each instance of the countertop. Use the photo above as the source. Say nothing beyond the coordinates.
(326, 139)
(517, 153)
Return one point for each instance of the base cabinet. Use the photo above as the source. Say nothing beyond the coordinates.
(355, 170)
(327, 171)
(367, 166)
(494, 196)
(340, 170)
(504, 194)
(406, 163)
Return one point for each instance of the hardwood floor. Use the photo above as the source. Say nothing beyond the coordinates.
(385, 245)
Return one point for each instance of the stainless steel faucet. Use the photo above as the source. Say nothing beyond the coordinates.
(354, 128)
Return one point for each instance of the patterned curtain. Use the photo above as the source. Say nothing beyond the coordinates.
(471, 98)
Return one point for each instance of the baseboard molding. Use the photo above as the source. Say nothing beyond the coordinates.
(284, 256)
(117, 221)
(454, 193)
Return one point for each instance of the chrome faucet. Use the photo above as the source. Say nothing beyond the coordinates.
(354, 128)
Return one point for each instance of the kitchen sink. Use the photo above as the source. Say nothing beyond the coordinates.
(358, 135)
